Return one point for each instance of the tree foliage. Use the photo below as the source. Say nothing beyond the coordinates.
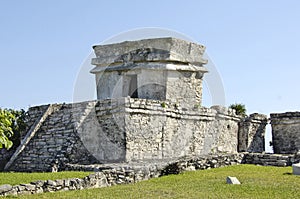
(240, 109)
(11, 125)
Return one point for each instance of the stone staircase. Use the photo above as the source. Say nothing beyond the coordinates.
(31, 132)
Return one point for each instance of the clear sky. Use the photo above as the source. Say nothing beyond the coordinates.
(255, 45)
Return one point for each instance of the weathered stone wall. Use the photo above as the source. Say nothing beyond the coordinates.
(286, 132)
(251, 133)
(127, 129)
(32, 116)
(163, 129)
(151, 84)
(5, 155)
(95, 180)
(184, 87)
(111, 134)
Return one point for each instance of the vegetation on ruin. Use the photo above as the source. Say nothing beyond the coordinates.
(163, 104)
(240, 109)
(11, 124)
(257, 182)
(13, 178)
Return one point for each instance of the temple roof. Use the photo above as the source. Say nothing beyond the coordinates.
(157, 50)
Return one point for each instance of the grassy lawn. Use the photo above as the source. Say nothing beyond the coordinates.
(18, 178)
(257, 182)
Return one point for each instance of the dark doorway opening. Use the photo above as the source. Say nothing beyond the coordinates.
(133, 91)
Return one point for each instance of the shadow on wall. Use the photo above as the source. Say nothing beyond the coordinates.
(252, 133)
(257, 144)
(101, 132)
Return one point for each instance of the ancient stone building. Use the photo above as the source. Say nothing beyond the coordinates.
(158, 69)
(148, 109)
(286, 132)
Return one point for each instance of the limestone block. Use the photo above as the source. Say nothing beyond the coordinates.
(232, 180)
(296, 169)
(5, 188)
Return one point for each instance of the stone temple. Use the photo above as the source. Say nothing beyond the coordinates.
(157, 69)
(148, 108)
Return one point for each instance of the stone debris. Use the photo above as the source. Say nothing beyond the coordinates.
(232, 180)
(296, 169)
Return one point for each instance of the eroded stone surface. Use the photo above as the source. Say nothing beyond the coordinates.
(286, 132)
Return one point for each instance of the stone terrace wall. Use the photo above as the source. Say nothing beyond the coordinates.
(162, 129)
(128, 129)
(280, 160)
(286, 132)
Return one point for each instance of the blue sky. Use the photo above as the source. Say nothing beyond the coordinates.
(255, 45)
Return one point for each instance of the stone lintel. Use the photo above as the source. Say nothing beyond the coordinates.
(150, 50)
(257, 118)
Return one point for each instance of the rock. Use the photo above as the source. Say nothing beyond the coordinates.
(232, 180)
(59, 182)
(51, 183)
(29, 187)
(5, 188)
(38, 183)
(296, 169)
(13, 191)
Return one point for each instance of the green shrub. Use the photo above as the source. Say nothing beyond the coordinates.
(240, 109)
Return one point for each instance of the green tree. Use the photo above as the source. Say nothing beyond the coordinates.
(12, 123)
(6, 132)
(240, 109)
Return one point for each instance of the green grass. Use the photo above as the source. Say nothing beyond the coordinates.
(18, 178)
(257, 182)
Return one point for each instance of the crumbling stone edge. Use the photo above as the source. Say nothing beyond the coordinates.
(114, 174)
